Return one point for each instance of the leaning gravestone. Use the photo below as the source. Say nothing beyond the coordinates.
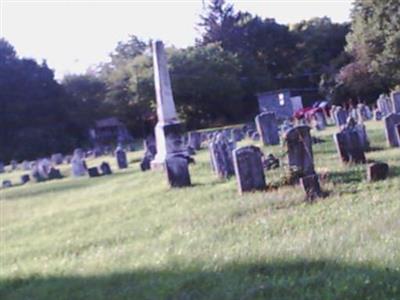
(221, 156)
(122, 161)
(396, 101)
(299, 149)
(105, 168)
(390, 130)
(349, 147)
(78, 164)
(248, 167)
(195, 140)
(377, 171)
(178, 171)
(267, 127)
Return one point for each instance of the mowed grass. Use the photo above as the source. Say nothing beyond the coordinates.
(129, 236)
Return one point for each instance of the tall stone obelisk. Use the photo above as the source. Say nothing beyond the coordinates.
(168, 131)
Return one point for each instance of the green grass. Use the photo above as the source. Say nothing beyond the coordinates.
(128, 236)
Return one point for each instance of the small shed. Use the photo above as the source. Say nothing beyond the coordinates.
(110, 131)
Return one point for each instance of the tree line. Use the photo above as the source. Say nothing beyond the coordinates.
(214, 82)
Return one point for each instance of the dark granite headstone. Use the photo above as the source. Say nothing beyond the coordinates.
(121, 158)
(390, 131)
(145, 163)
(249, 169)
(300, 154)
(195, 140)
(349, 147)
(105, 168)
(93, 172)
(25, 178)
(377, 171)
(54, 174)
(267, 127)
(177, 171)
(311, 186)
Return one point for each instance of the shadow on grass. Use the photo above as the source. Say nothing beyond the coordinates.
(279, 280)
(348, 176)
(394, 171)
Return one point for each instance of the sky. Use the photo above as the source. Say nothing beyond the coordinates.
(73, 35)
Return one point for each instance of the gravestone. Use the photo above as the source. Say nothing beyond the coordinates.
(25, 178)
(6, 184)
(1, 167)
(320, 121)
(390, 130)
(57, 158)
(93, 172)
(271, 162)
(248, 168)
(195, 140)
(395, 96)
(299, 148)
(255, 136)
(397, 131)
(122, 161)
(67, 159)
(349, 147)
(237, 134)
(44, 167)
(36, 175)
(377, 115)
(340, 116)
(105, 168)
(54, 174)
(311, 186)
(14, 165)
(384, 105)
(78, 164)
(169, 130)
(178, 171)
(267, 128)
(221, 156)
(25, 165)
(377, 171)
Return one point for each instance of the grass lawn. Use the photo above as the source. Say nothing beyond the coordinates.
(128, 236)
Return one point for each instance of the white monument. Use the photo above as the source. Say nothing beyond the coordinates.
(168, 131)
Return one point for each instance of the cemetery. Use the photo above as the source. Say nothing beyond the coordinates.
(301, 200)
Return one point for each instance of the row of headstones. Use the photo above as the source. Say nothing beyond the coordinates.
(44, 169)
(387, 105)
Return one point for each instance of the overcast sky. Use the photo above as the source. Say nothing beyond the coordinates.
(72, 35)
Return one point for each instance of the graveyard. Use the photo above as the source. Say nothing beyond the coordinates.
(131, 234)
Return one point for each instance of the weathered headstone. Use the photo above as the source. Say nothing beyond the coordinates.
(255, 136)
(122, 160)
(25, 165)
(195, 140)
(320, 121)
(178, 171)
(54, 174)
(221, 156)
(267, 127)
(397, 131)
(377, 115)
(384, 105)
(340, 116)
(57, 158)
(93, 172)
(78, 164)
(311, 186)
(237, 134)
(169, 130)
(25, 178)
(249, 169)
(299, 149)
(390, 130)
(395, 96)
(14, 165)
(377, 171)
(349, 147)
(44, 167)
(105, 168)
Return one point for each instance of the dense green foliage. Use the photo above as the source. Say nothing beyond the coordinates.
(215, 82)
(128, 236)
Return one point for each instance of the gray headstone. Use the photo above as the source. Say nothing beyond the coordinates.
(390, 130)
(178, 171)
(6, 184)
(397, 131)
(349, 147)
(267, 127)
(1, 167)
(249, 169)
(122, 160)
(14, 165)
(395, 96)
(340, 116)
(299, 148)
(195, 140)
(377, 171)
(384, 105)
(377, 115)
(311, 186)
(78, 164)
(57, 158)
(237, 134)
(25, 178)
(320, 121)
(93, 172)
(221, 156)
(44, 167)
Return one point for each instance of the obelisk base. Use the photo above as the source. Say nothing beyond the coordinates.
(169, 143)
